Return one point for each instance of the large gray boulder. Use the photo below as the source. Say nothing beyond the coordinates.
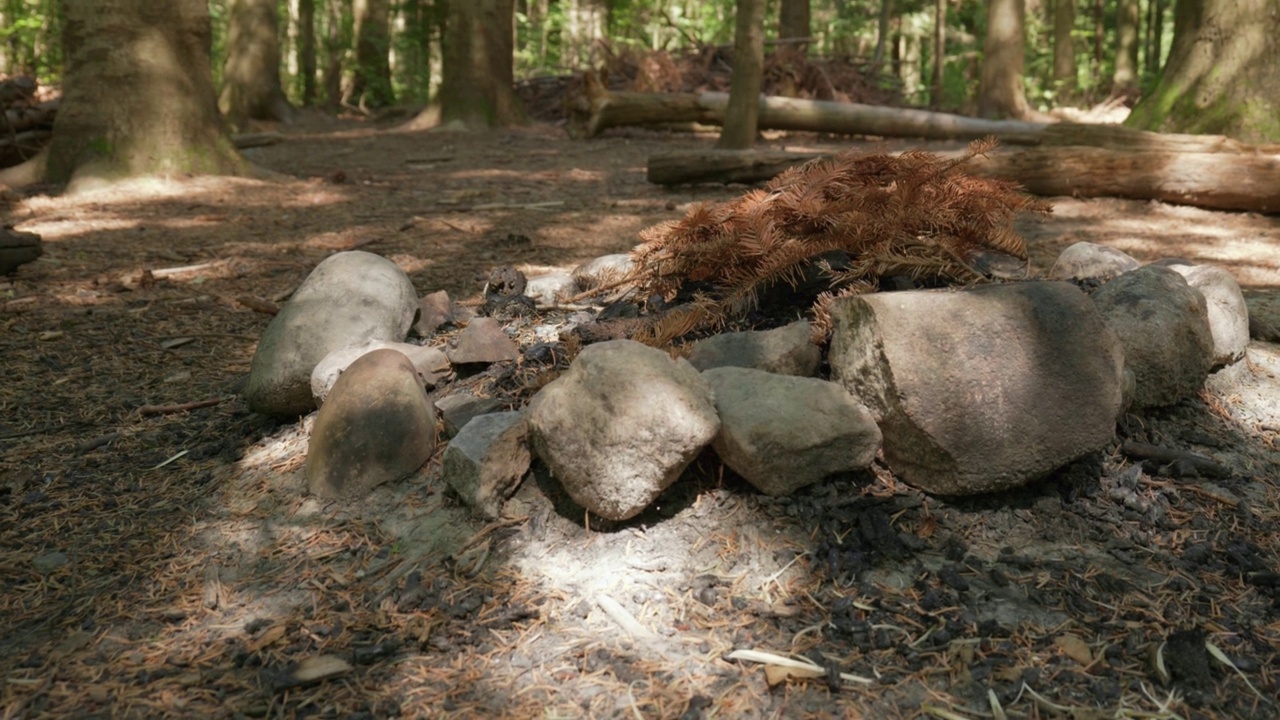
(350, 299)
(984, 389)
(621, 424)
(485, 462)
(1163, 325)
(377, 425)
(788, 350)
(783, 433)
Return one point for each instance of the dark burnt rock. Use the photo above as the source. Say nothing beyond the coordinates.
(505, 281)
(505, 308)
(848, 554)
(1187, 660)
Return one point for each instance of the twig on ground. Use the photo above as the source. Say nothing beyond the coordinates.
(178, 407)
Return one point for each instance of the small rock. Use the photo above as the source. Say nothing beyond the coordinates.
(505, 281)
(552, 288)
(1227, 312)
(1086, 260)
(782, 433)
(377, 425)
(458, 409)
(604, 270)
(433, 311)
(487, 459)
(431, 364)
(482, 341)
(621, 424)
(787, 350)
(49, 562)
(1163, 324)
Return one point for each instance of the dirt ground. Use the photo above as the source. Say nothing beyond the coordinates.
(159, 557)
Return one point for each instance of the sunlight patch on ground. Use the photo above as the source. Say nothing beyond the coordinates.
(411, 263)
(56, 229)
(236, 191)
(574, 174)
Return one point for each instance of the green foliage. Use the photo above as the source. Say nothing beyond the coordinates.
(30, 42)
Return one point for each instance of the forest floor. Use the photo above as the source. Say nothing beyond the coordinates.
(166, 562)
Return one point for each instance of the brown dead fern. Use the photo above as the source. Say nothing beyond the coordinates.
(832, 227)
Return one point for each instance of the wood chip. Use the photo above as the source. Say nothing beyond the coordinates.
(317, 668)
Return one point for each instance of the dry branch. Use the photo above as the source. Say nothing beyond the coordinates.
(1072, 160)
(177, 407)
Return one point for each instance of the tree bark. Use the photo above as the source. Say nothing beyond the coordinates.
(251, 74)
(742, 117)
(1073, 160)
(1099, 38)
(371, 86)
(477, 85)
(336, 40)
(138, 96)
(596, 109)
(1000, 93)
(939, 51)
(1124, 80)
(1223, 73)
(882, 33)
(794, 20)
(307, 49)
(413, 54)
(585, 24)
(1155, 35)
(1064, 49)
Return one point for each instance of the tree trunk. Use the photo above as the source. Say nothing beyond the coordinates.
(585, 24)
(1064, 49)
(1000, 94)
(1073, 160)
(882, 32)
(1099, 39)
(137, 95)
(742, 118)
(1223, 73)
(794, 20)
(477, 87)
(371, 86)
(307, 49)
(1155, 34)
(251, 74)
(1125, 79)
(597, 109)
(939, 51)
(413, 58)
(336, 40)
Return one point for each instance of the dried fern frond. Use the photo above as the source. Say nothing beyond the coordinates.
(912, 214)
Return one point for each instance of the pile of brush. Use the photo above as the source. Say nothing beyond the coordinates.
(828, 229)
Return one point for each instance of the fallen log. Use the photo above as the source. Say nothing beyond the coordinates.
(594, 108)
(1074, 160)
(17, 119)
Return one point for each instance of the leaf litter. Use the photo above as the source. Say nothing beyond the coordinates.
(193, 577)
